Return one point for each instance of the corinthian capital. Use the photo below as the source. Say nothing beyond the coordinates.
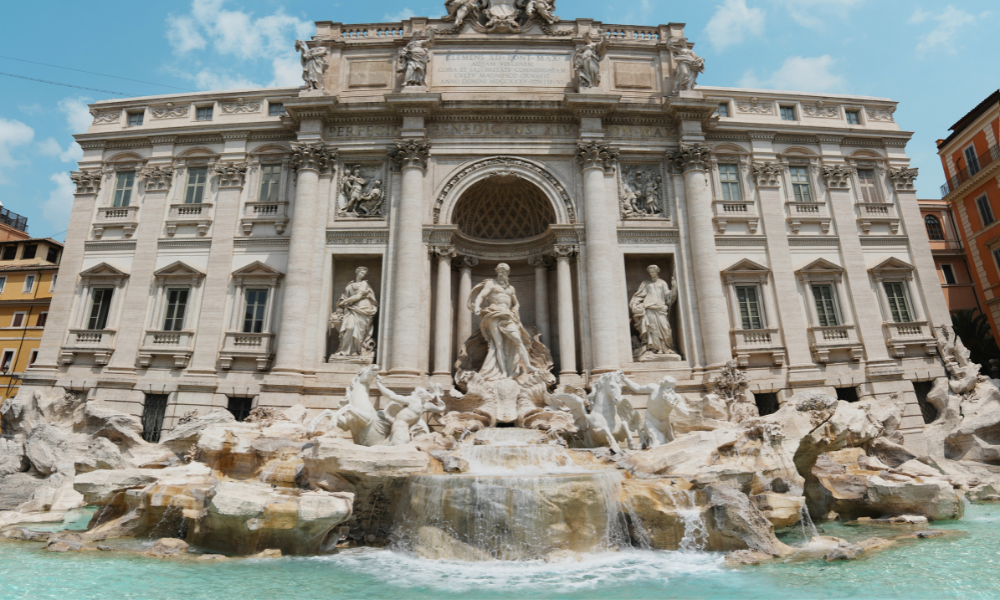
(231, 174)
(444, 252)
(767, 174)
(838, 176)
(597, 156)
(564, 251)
(158, 178)
(314, 157)
(690, 157)
(86, 182)
(903, 178)
(411, 153)
(465, 262)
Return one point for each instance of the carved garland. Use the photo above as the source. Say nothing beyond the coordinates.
(505, 161)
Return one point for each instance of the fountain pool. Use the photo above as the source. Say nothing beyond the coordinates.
(950, 567)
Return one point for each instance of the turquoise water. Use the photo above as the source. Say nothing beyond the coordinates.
(966, 567)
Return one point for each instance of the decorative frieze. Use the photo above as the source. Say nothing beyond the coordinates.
(821, 111)
(231, 175)
(314, 157)
(171, 111)
(767, 174)
(753, 106)
(880, 114)
(903, 178)
(353, 237)
(690, 157)
(597, 156)
(838, 176)
(157, 178)
(87, 182)
(411, 153)
(103, 117)
(241, 106)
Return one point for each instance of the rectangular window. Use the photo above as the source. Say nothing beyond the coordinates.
(276, 109)
(123, 188)
(196, 185)
(787, 113)
(723, 109)
(826, 306)
(800, 184)
(29, 284)
(9, 252)
(52, 255)
(253, 317)
(100, 306)
(52, 284)
(176, 307)
(153, 411)
(730, 181)
(203, 113)
(972, 160)
(985, 211)
(3, 283)
(18, 320)
(270, 179)
(867, 179)
(853, 117)
(135, 119)
(43, 318)
(949, 274)
(240, 407)
(30, 250)
(751, 316)
(8, 361)
(898, 305)
(32, 357)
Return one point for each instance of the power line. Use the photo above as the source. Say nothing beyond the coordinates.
(93, 73)
(79, 87)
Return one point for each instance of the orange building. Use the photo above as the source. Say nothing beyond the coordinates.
(970, 160)
(28, 274)
(949, 255)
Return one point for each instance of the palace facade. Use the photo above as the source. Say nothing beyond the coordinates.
(214, 234)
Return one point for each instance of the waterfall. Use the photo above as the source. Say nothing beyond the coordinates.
(808, 527)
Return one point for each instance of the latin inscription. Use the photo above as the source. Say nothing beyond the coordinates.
(364, 131)
(501, 70)
(503, 129)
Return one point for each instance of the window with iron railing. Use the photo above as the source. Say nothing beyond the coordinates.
(971, 168)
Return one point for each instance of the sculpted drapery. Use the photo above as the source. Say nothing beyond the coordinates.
(356, 312)
(651, 312)
(495, 302)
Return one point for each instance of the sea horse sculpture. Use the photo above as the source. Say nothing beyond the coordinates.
(368, 426)
(605, 417)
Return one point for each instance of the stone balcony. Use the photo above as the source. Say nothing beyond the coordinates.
(265, 213)
(839, 339)
(178, 345)
(124, 217)
(199, 215)
(255, 346)
(870, 213)
(800, 213)
(902, 336)
(761, 342)
(98, 343)
(735, 212)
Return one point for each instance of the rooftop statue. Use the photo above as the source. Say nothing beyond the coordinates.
(689, 65)
(314, 64)
(413, 60)
(501, 15)
(587, 62)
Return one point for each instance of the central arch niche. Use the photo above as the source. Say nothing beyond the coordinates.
(503, 207)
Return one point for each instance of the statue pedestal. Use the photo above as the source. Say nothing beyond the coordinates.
(651, 357)
(350, 360)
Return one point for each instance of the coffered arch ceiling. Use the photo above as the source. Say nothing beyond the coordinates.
(503, 207)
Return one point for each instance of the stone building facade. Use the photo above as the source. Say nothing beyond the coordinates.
(949, 255)
(575, 152)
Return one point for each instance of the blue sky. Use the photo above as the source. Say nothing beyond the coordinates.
(937, 59)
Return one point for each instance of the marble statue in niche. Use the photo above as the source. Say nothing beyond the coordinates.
(355, 319)
(689, 65)
(314, 64)
(413, 59)
(587, 61)
(640, 192)
(362, 194)
(495, 303)
(651, 306)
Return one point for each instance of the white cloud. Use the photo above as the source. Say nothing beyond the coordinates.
(287, 72)
(78, 116)
(31, 109)
(58, 205)
(402, 15)
(816, 13)
(949, 24)
(13, 134)
(238, 34)
(732, 22)
(807, 74)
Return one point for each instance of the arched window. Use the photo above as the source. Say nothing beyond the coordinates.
(933, 225)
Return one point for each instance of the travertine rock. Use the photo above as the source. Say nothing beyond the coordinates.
(782, 510)
(168, 547)
(180, 438)
(335, 455)
(12, 458)
(739, 524)
(101, 454)
(50, 450)
(99, 487)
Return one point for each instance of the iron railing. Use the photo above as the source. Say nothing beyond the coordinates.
(12, 219)
(969, 171)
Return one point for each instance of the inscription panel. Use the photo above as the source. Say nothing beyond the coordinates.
(501, 69)
(369, 73)
(638, 75)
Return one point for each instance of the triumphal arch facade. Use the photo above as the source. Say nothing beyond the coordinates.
(500, 202)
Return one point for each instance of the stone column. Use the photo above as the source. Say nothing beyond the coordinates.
(541, 264)
(602, 255)
(408, 272)
(464, 328)
(88, 183)
(211, 321)
(442, 311)
(308, 160)
(567, 318)
(690, 159)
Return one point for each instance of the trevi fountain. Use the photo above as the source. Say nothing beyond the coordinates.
(498, 305)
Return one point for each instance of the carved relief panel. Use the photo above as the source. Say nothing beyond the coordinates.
(641, 192)
(361, 191)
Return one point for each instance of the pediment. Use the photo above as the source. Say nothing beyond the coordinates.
(821, 266)
(747, 266)
(179, 269)
(257, 269)
(892, 264)
(103, 270)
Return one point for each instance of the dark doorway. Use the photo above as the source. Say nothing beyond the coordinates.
(849, 394)
(240, 407)
(153, 411)
(767, 404)
(927, 410)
